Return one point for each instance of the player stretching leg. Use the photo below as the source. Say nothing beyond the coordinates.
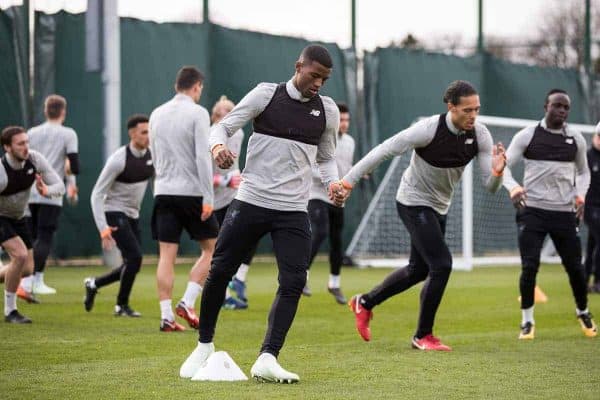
(293, 127)
(116, 200)
(443, 146)
(20, 169)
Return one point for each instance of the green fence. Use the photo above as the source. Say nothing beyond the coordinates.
(402, 85)
(399, 86)
(151, 54)
(11, 72)
(518, 91)
(405, 84)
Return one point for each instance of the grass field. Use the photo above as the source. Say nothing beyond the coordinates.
(70, 354)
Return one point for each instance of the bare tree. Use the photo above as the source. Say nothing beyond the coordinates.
(411, 42)
(557, 42)
(501, 47)
(560, 38)
(453, 43)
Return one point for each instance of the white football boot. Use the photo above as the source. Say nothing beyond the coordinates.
(267, 369)
(40, 287)
(196, 360)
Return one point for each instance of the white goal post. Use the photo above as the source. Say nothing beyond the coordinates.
(481, 228)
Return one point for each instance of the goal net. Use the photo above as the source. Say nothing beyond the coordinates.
(481, 228)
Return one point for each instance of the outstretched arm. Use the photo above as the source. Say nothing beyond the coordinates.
(418, 135)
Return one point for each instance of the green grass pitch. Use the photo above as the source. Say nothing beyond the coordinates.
(70, 354)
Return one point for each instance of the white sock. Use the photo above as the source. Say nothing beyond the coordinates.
(307, 276)
(205, 346)
(191, 294)
(267, 357)
(334, 281)
(93, 283)
(166, 310)
(242, 272)
(579, 312)
(527, 315)
(38, 278)
(10, 302)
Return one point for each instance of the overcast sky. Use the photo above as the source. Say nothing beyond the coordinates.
(379, 21)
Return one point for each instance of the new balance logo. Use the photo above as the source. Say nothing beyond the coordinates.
(30, 171)
(149, 162)
(316, 113)
(469, 141)
(569, 140)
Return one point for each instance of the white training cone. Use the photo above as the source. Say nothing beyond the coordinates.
(220, 367)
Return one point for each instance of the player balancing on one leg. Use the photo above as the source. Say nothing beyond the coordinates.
(20, 169)
(116, 200)
(556, 180)
(443, 146)
(294, 126)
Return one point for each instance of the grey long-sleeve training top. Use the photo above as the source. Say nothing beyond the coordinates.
(550, 183)
(423, 184)
(278, 173)
(13, 205)
(179, 132)
(109, 194)
(54, 142)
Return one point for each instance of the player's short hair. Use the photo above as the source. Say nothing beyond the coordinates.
(223, 102)
(136, 119)
(54, 106)
(8, 133)
(458, 89)
(317, 53)
(554, 91)
(187, 77)
(343, 108)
